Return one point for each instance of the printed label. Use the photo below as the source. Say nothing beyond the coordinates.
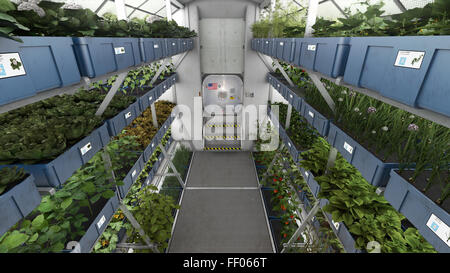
(119, 50)
(128, 115)
(290, 95)
(281, 43)
(173, 44)
(306, 174)
(439, 228)
(101, 221)
(289, 144)
(85, 148)
(150, 98)
(312, 47)
(336, 225)
(410, 59)
(133, 173)
(11, 65)
(156, 46)
(311, 114)
(348, 147)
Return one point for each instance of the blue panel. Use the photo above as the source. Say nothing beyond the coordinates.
(131, 177)
(371, 64)
(316, 119)
(49, 62)
(288, 50)
(17, 203)
(99, 225)
(124, 118)
(325, 55)
(375, 171)
(146, 100)
(148, 53)
(418, 208)
(99, 56)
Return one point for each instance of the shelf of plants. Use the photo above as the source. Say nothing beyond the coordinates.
(75, 43)
(281, 205)
(83, 207)
(119, 230)
(360, 213)
(407, 69)
(377, 155)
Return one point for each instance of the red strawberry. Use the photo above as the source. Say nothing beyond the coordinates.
(284, 235)
(286, 223)
(275, 191)
(292, 216)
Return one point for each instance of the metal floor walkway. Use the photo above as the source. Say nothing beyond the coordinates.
(221, 207)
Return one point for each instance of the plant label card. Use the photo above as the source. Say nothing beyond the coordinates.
(312, 47)
(128, 115)
(311, 114)
(439, 228)
(348, 148)
(11, 65)
(85, 148)
(119, 50)
(101, 221)
(409, 59)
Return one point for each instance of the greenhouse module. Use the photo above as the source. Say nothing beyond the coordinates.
(253, 129)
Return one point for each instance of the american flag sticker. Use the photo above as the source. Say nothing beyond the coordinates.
(212, 86)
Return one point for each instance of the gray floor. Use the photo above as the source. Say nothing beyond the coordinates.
(221, 210)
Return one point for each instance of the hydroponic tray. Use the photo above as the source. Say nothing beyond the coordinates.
(431, 220)
(97, 56)
(41, 63)
(56, 172)
(374, 170)
(410, 69)
(17, 203)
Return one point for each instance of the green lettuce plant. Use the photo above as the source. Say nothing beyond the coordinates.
(10, 177)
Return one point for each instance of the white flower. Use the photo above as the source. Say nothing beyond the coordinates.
(412, 116)
(356, 109)
(384, 128)
(71, 5)
(340, 99)
(32, 5)
(374, 132)
(344, 92)
(413, 127)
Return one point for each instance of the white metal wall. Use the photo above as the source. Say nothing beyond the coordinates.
(222, 45)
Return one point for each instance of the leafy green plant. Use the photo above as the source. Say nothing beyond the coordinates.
(57, 19)
(41, 131)
(8, 24)
(283, 21)
(154, 213)
(9, 177)
(432, 19)
(66, 215)
(352, 200)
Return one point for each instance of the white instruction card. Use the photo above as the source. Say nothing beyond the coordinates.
(11, 65)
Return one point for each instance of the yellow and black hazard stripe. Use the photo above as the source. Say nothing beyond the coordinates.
(220, 148)
(221, 137)
(223, 125)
